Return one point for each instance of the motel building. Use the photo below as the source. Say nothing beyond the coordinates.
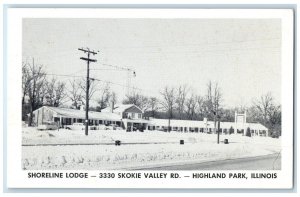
(130, 116)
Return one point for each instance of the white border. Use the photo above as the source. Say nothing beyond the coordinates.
(16, 177)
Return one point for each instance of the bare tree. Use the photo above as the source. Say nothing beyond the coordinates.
(200, 107)
(104, 97)
(55, 92)
(191, 106)
(168, 102)
(213, 99)
(137, 99)
(265, 110)
(113, 99)
(264, 106)
(182, 92)
(36, 77)
(144, 103)
(92, 89)
(26, 78)
(75, 93)
(153, 105)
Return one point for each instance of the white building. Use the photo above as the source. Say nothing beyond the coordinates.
(256, 129)
(131, 116)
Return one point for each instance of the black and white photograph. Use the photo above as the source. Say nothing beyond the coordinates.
(151, 94)
(150, 99)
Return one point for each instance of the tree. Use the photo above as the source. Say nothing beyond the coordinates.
(275, 120)
(103, 97)
(137, 99)
(180, 99)
(213, 99)
(264, 106)
(265, 111)
(191, 106)
(226, 115)
(248, 132)
(92, 88)
(54, 92)
(75, 94)
(26, 78)
(168, 102)
(231, 130)
(36, 78)
(200, 107)
(153, 105)
(113, 99)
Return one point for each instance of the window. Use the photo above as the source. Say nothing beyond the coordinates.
(133, 115)
(140, 115)
(126, 115)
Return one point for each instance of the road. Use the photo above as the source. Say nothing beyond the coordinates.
(267, 162)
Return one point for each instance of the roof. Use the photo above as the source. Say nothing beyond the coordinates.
(75, 113)
(202, 124)
(119, 108)
(178, 123)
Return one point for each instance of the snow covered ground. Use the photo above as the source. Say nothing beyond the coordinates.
(62, 150)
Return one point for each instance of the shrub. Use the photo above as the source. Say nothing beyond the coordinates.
(248, 132)
(231, 130)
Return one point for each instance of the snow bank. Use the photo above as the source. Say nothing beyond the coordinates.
(198, 147)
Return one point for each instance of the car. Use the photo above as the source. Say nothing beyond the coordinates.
(79, 126)
(101, 127)
(113, 127)
(116, 127)
(75, 126)
(129, 129)
(119, 128)
(48, 126)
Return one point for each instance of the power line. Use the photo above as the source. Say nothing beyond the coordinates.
(103, 69)
(91, 78)
(117, 67)
(128, 70)
(116, 84)
(60, 75)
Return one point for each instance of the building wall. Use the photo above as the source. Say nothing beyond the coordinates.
(185, 126)
(133, 113)
(43, 115)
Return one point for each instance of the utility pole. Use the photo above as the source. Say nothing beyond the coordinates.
(218, 131)
(88, 60)
(217, 125)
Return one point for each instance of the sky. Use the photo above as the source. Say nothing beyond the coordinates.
(242, 55)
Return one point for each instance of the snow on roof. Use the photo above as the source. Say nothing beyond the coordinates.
(75, 113)
(257, 126)
(118, 108)
(180, 123)
(202, 124)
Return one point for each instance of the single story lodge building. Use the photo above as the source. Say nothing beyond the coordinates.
(129, 116)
